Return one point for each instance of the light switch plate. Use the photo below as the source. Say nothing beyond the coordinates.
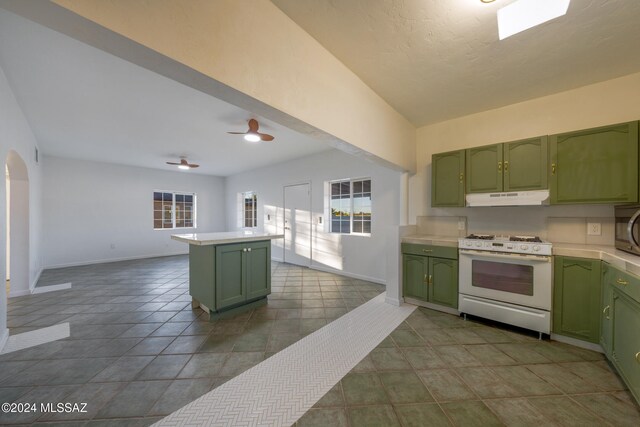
(461, 225)
(594, 229)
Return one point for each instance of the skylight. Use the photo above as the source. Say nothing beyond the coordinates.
(524, 14)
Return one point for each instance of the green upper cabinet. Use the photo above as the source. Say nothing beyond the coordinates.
(484, 169)
(512, 166)
(577, 298)
(525, 164)
(595, 166)
(447, 179)
(443, 282)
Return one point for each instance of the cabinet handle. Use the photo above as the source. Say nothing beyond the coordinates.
(622, 282)
(427, 251)
(461, 177)
(244, 249)
(553, 168)
(506, 165)
(424, 280)
(249, 249)
(499, 166)
(638, 357)
(430, 282)
(606, 312)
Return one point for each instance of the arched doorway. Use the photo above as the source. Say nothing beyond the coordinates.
(17, 189)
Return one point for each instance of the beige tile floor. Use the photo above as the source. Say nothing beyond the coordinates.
(137, 352)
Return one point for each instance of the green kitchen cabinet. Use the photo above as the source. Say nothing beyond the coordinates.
(625, 349)
(484, 169)
(430, 278)
(577, 298)
(443, 284)
(595, 165)
(511, 166)
(447, 179)
(525, 164)
(243, 273)
(606, 325)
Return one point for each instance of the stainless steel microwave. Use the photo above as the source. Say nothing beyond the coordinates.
(628, 228)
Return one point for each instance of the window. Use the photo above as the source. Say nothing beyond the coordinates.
(174, 210)
(249, 209)
(350, 203)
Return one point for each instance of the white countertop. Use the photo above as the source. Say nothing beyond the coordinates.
(617, 258)
(425, 239)
(224, 237)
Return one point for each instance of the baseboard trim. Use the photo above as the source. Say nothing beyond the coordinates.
(276, 259)
(393, 301)
(33, 284)
(577, 343)
(4, 337)
(51, 288)
(106, 261)
(348, 274)
(432, 306)
(13, 293)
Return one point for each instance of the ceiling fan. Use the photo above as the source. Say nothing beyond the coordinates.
(183, 164)
(252, 135)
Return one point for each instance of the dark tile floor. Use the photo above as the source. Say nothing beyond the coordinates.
(138, 351)
(437, 369)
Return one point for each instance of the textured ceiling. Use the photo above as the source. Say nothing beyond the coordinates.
(86, 104)
(434, 60)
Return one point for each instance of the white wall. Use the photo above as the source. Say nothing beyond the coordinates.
(358, 256)
(609, 102)
(15, 134)
(89, 206)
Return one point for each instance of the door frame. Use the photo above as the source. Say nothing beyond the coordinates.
(311, 234)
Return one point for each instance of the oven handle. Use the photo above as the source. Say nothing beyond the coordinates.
(630, 225)
(488, 254)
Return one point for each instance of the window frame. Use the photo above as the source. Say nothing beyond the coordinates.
(351, 206)
(243, 208)
(174, 215)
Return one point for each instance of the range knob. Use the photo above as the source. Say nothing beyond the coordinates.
(536, 248)
(479, 244)
(524, 247)
(469, 243)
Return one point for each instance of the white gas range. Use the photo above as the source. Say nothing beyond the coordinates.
(507, 279)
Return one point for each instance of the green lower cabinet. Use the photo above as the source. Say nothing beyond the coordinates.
(577, 296)
(230, 275)
(430, 279)
(202, 274)
(443, 284)
(415, 276)
(625, 348)
(258, 269)
(243, 273)
(606, 325)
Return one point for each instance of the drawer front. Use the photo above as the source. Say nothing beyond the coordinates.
(430, 250)
(626, 283)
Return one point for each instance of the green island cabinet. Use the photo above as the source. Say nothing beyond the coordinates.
(510, 166)
(447, 179)
(597, 165)
(577, 298)
(229, 271)
(620, 336)
(430, 274)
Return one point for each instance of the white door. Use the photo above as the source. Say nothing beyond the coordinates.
(297, 224)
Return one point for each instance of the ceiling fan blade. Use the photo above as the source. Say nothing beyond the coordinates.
(266, 137)
(193, 165)
(253, 125)
(237, 133)
(173, 163)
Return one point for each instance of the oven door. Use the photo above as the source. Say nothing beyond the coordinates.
(518, 279)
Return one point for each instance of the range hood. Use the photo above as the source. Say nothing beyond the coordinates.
(510, 198)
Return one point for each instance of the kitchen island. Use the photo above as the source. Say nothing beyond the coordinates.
(229, 272)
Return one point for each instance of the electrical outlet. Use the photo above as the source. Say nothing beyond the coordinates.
(461, 225)
(594, 229)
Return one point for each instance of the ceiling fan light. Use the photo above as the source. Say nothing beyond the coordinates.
(252, 137)
(524, 14)
(184, 167)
